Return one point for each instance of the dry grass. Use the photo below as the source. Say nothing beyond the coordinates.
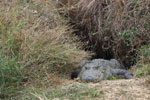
(35, 44)
(115, 28)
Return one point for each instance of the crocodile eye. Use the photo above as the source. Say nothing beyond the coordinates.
(86, 68)
(96, 68)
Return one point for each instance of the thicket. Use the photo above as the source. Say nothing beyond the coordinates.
(114, 28)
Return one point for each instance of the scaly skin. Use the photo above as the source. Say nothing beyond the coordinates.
(99, 69)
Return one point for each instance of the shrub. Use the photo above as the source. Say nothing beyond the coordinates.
(114, 28)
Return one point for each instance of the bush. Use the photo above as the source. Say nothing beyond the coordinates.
(114, 29)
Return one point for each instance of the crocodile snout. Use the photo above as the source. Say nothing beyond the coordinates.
(89, 79)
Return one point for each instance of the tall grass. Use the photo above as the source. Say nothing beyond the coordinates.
(36, 45)
(11, 73)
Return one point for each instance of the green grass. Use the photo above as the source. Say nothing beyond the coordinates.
(71, 92)
(11, 72)
(10, 75)
(142, 70)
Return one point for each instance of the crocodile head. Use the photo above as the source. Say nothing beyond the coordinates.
(92, 73)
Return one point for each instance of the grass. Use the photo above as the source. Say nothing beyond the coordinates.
(11, 73)
(36, 46)
(142, 68)
(71, 92)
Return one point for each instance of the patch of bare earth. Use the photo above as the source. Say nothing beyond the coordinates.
(132, 89)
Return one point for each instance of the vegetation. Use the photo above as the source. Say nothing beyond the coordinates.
(143, 65)
(35, 45)
(38, 50)
(71, 91)
(114, 28)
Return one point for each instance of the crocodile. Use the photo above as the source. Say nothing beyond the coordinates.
(100, 69)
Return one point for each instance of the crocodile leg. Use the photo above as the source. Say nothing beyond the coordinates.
(122, 73)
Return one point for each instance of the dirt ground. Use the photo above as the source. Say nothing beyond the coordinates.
(133, 89)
